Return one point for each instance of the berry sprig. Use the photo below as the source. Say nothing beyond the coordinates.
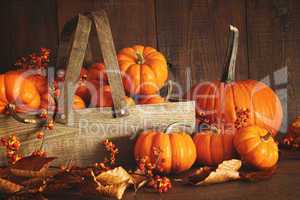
(12, 145)
(108, 163)
(150, 170)
(243, 116)
(34, 60)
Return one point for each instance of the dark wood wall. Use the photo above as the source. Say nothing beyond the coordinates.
(191, 33)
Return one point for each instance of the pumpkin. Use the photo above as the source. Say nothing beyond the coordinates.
(144, 69)
(151, 99)
(256, 146)
(177, 151)
(239, 103)
(48, 103)
(105, 99)
(85, 89)
(97, 72)
(15, 89)
(40, 82)
(214, 146)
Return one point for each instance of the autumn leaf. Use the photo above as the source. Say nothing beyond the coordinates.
(31, 166)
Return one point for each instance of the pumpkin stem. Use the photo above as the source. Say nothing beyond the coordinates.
(229, 69)
(176, 126)
(140, 58)
(266, 137)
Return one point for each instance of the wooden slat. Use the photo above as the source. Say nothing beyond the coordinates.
(132, 21)
(267, 42)
(5, 53)
(33, 25)
(80, 141)
(293, 58)
(193, 34)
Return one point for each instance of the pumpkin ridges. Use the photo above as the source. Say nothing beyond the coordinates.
(190, 146)
(229, 106)
(148, 77)
(145, 149)
(162, 140)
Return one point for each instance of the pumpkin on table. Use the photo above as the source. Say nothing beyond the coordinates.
(17, 90)
(177, 151)
(256, 146)
(214, 146)
(240, 103)
(144, 69)
(104, 98)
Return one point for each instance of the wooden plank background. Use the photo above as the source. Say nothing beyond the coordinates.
(191, 33)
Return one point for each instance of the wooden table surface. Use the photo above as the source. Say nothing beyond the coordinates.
(285, 184)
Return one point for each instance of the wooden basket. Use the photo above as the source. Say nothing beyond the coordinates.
(78, 133)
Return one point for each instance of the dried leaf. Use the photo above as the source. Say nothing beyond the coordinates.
(114, 176)
(199, 175)
(113, 183)
(31, 166)
(8, 186)
(226, 171)
(259, 175)
(115, 190)
(139, 179)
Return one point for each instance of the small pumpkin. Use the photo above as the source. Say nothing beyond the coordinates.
(15, 89)
(85, 89)
(214, 146)
(48, 103)
(256, 146)
(97, 72)
(144, 69)
(105, 99)
(177, 151)
(151, 99)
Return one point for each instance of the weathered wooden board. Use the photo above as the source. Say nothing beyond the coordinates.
(132, 21)
(80, 141)
(193, 35)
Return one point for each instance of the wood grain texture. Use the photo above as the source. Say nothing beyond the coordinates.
(133, 21)
(80, 141)
(267, 39)
(33, 25)
(73, 65)
(292, 32)
(193, 35)
(5, 53)
(106, 42)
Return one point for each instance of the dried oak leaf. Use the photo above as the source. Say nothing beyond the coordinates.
(113, 183)
(258, 175)
(226, 171)
(31, 166)
(7, 186)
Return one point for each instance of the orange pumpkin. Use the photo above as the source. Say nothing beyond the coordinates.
(40, 82)
(97, 72)
(151, 99)
(105, 98)
(177, 151)
(214, 146)
(85, 89)
(256, 146)
(15, 89)
(144, 69)
(48, 103)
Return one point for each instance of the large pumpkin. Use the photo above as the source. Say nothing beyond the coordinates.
(177, 150)
(15, 89)
(214, 146)
(256, 146)
(144, 69)
(104, 97)
(237, 103)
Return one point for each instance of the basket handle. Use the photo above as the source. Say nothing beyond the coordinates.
(75, 57)
(111, 63)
